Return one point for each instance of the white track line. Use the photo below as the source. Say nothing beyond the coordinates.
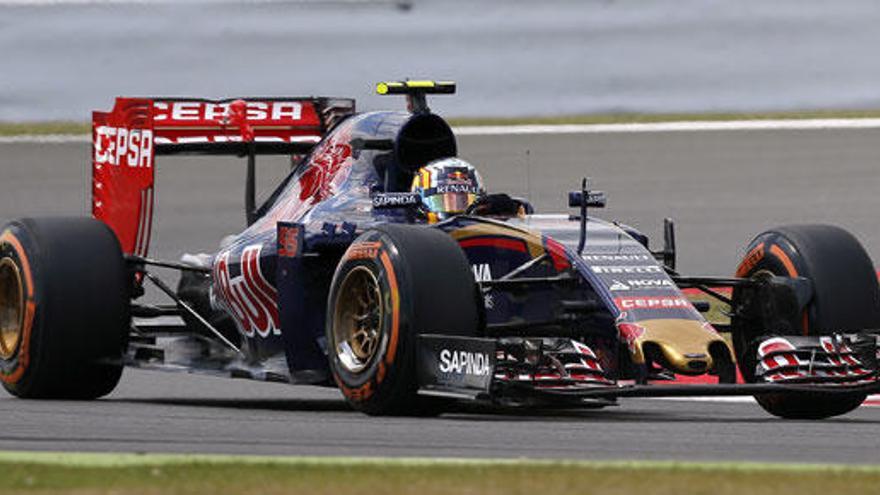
(871, 401)
(686, 126)
(708, 398)
(503, 130)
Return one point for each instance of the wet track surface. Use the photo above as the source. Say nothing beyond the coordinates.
(722, 188)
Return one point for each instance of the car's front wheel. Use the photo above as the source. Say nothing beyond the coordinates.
(845, 299)
(394, 282)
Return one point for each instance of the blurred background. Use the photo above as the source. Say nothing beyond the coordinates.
(63, 58)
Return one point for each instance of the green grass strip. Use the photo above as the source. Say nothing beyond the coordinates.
(85, 473)
(43, 128)
(65, 127)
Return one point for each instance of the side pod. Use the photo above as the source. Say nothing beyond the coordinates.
(297, 309)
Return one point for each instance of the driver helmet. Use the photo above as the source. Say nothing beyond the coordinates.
(447, 187)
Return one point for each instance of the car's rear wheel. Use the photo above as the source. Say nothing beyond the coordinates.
(394, 282)
(845, 299)
(64, 308)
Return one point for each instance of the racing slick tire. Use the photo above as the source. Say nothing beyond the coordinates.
(845, 299)
(64, 308)
(394, 282)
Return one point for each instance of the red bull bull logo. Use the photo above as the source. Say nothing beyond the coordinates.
(459, 176)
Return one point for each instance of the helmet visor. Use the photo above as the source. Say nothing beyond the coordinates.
(450, 202)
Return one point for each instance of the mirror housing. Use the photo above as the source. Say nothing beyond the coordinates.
(594, 199)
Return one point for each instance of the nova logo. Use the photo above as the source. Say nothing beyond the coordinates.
(650, 283)
(618, 285)
(482, 272)
(464, 362)
(644, 283)
(250, 299)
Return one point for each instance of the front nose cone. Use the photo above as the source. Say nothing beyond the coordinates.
(680, 345)
(669, 357)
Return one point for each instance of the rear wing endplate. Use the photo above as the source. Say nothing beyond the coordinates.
(126, 141)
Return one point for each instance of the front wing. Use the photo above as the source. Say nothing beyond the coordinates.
(567, 372)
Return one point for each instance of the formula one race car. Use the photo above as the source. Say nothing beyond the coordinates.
(381, 266)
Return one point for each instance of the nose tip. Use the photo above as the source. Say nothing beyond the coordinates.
(697, 365)
(686, 363)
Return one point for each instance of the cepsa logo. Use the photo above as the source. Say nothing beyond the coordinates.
(250, 299)
(195, 111)
(118, 146)
(628, 303)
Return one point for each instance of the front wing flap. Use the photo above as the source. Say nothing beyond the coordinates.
(565, 371)
(833, 360)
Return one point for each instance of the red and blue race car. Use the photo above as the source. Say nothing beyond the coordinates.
(381, 265)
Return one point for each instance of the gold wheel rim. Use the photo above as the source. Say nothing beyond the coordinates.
(11, 308)
(357, 319)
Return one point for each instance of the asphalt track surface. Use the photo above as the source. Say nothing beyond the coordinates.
(722, 187)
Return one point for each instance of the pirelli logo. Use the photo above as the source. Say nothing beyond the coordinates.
(751, 260)
(364, 250)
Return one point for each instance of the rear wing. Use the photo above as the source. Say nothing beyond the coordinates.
(126, 141)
